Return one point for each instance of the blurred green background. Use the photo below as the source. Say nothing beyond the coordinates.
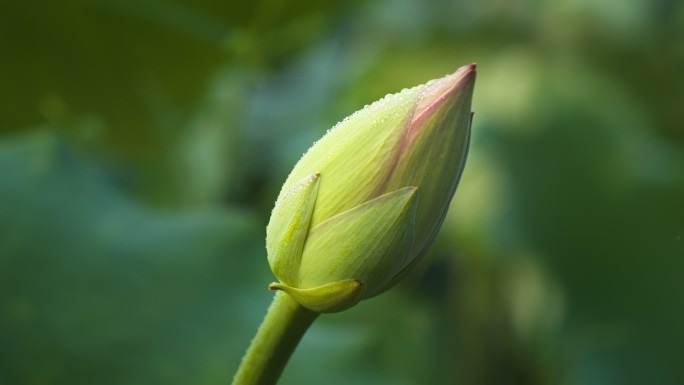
(143, 144)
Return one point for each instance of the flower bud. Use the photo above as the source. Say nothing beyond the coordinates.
(366, 201)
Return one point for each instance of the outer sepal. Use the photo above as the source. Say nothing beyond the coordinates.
(330, 298)
(288, 228)
(370, 243)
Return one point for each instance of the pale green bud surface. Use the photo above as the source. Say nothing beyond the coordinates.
(366, 200)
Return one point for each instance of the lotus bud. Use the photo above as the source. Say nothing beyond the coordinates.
(366, 201)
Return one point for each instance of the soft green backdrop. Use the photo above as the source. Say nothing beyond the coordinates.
(143, 143)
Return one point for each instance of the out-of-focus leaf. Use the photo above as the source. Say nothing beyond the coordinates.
(96, 288)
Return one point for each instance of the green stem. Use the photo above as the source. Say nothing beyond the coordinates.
(284, 325)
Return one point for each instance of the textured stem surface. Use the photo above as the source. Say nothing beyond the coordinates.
(284, 325)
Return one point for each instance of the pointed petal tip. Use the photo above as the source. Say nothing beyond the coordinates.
(447, 85)
(442, 89)
(466, 69)
(465, 73)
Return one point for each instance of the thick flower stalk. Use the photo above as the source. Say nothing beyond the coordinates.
(366, 201)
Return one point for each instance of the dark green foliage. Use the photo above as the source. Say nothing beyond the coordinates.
(144, 143)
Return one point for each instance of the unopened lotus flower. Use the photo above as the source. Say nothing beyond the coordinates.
(366, 201)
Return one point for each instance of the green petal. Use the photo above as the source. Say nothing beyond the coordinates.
(356, 156)
(329, 298)
(369, 243)
(288, 228)
(436, 155)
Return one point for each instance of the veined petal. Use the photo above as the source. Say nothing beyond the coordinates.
(357, 155)
(436, 149)
(370, 243)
